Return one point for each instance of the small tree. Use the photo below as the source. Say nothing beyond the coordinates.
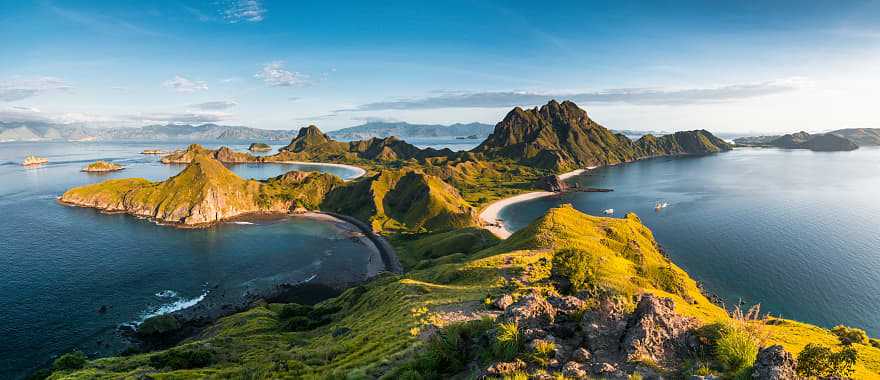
(817, 360)
(573, 266)
(850, 335)
(70, 361)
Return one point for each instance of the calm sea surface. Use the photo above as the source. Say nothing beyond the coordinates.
(796, 231)
(59, 265)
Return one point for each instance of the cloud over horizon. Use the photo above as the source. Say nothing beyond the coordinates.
(214, 105)
(185, 85)
(274, 74)
(632, 96)
(23, 88)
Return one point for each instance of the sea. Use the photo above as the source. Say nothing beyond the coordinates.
(60, 266)
(793, 230)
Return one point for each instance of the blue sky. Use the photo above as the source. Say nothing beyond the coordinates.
(740, 66)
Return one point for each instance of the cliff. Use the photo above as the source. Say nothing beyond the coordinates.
(561, 137)
(203, 193)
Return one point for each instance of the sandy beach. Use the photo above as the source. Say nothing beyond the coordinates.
(360, 172)
(489, 215)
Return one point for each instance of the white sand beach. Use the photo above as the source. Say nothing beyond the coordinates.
(489, 215)
(360, 172)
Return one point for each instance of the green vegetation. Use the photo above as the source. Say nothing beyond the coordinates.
(259, 147)
(159, 324)
(817, 360)
(573, 266)
(850, 335)
(70, 361)
(736, 347)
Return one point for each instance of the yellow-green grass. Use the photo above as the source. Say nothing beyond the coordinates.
(388, 316)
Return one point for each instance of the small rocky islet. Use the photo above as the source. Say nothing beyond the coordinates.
(570, 295)
(102, 166)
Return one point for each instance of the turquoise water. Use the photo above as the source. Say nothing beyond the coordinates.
(796, 231)
(59, 264)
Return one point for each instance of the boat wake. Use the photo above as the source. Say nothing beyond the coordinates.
(180, 304)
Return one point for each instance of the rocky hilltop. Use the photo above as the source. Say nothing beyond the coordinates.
(860, 136)
(561, 136)
(203, 193)
(828, 142)
(312, 144)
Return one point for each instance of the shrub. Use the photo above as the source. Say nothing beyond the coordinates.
(70, 361)
(573, 266)
(294, 310)
(508, 341)
(159, 324)
(850, 335)
(543, 351)
(817, 360)
(449, 350)
(736, 347)
(183, 358)
(875, 343)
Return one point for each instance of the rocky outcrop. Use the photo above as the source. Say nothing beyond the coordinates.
(102, 166)
(530, 312)
(774, 363)
(655, 332)
(551, 183)
(259, 147)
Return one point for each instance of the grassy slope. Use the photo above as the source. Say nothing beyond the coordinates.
(387, 315)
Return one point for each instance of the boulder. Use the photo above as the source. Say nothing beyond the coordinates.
(551, 183)
(575, 370)
(503, 302)
(581, 355)
(505, 368)
(655, 332)
(532, 311)
(567, 305)
(774, 363)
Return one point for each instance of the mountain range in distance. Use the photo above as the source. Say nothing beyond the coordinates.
(42, 131)
(839, 140)
(381, 129)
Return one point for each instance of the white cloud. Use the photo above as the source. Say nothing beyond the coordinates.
(23, 88)
(632, 96)
(179, 117)
(274, 74)
(181, 84)
(234, 11)
(215, 105)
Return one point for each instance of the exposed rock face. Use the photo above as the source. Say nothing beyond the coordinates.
(532, 311)
(551, 183)
(655, 331)
(774, 363)
(561, 136)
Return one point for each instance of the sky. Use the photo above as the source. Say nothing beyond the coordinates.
(738, 66)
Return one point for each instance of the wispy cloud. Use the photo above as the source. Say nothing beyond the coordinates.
(181, 84)
(215, 105)
(102, 23)
(23, 88)
(181, 117)
(274, 74)
(634, 96)
(235, 11)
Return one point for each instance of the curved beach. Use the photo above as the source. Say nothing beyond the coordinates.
(489, 215)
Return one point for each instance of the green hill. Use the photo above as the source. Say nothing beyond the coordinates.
(311, 144)
(860, 136)
(224, 154)
(562, 137)
(204, 192)
(402, 200)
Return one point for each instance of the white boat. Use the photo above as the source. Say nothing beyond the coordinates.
(609, 211)
(659, 206)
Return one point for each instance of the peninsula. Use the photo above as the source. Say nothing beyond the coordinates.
(570, 295)
(828, 142)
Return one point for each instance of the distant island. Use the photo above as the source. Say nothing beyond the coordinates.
(102, 166)
(827, 142)
(259, 147)
(404, 130)
(860, 136)
(34, 160)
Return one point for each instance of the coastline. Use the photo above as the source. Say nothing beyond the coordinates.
(489, 215)
(360, 171)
